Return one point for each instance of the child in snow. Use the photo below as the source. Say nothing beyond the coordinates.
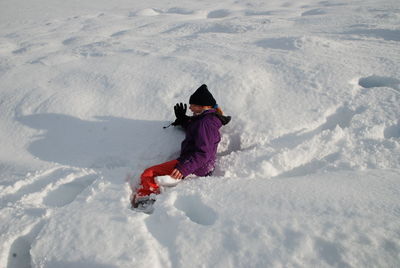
(198, 150)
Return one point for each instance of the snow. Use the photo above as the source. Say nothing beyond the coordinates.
(308, 170)
(167, 181)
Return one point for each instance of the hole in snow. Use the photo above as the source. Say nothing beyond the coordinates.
(341, 117)
(392, 131)
(216, 14)
(180, 10)
(283, 43)
(330, 252)
(19, 255)
(379, 81)
(67, 193)
(385, 34)
(314, 12)
(196, 210)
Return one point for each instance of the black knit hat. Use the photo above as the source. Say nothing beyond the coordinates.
(202, 97)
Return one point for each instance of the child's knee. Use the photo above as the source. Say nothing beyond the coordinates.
(148, 172)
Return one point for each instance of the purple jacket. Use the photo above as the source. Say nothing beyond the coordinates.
(199, 149)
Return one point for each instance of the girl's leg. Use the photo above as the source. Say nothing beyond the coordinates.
(147, 184)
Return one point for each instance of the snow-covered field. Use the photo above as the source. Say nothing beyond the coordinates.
(308, 171)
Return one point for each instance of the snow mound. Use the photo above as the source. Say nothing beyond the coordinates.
(147, 12)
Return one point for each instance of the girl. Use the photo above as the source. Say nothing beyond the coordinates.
(198, 150)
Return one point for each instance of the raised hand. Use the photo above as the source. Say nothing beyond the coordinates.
(180, 110)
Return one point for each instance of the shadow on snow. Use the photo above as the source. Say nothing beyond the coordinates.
(106, 141)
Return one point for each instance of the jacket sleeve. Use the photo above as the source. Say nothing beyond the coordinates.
(184, 121)
(204, 143)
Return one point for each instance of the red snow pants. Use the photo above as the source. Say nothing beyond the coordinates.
(147, 184)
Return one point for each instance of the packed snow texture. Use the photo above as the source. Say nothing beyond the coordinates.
(308, 170)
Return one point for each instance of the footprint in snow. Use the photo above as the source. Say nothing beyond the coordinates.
(330, 252)
(12, 35)
(217, 14)
(314, 12)
(96, 49)
(20, 50)
(330, 4)
(69, 41)
(385, 34)
(33, 185)
(19, 255)
(119, 33)
(293, 239)
(29, 47)
(392, 131)
(259, 13)
(180, 11)
(283, 43)
(374, 81)
(196, 210)
(66, 193)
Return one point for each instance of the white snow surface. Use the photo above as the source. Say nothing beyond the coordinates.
(308, 170)
(167, 181)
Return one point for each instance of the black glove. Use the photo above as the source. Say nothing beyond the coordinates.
(180, 110)
(180, 113)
